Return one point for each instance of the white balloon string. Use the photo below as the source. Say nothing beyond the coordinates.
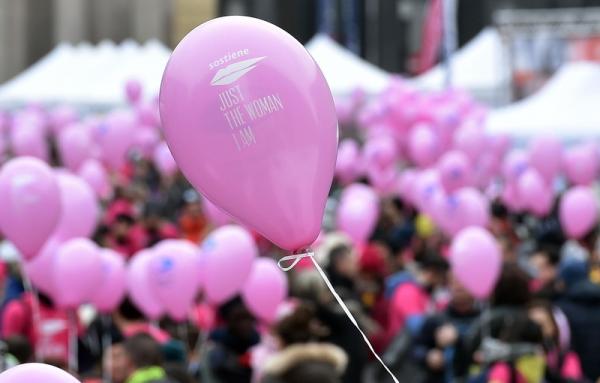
(309, 254)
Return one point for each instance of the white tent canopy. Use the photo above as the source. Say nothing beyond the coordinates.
(89, 75)
(568, 107)
(345, 72)
(478, 66)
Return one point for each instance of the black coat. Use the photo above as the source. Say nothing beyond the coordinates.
(581, 305)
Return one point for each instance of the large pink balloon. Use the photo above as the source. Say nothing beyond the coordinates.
(358, 212)
(80, 208)
(265, 289)
(230, 252)
(139, 286)
(163, 160)
(116, 135)
(475, 260)
(534, 193)
(62, 117)
(30, 140)
(423, 146)
(174, 276)
(578, 211)
(77, 272)
(39, 269)
(112, 290)
(251, 123)
(455, 170)
(582, 164)
(545, 155)
(347, 166)
(36, 373)
(30, 204)
(96, 176)
(74, 145)
(514, 165)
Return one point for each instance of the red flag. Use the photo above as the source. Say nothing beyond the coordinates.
(432, 36)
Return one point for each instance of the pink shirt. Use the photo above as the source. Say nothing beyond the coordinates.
(408, 300)
(501, 373)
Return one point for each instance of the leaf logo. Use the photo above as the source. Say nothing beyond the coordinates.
(234, 72)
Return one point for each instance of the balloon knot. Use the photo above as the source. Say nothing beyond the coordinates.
(294, 259)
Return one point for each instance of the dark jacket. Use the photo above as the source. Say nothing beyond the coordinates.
(581, 305)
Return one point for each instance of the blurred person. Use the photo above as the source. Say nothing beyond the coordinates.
(228, 356)
(192, 223)
(123, 237)
(136, 360)
(563, 365)
(49, 337)
(153, 227)
(410, 292)
(581, 305)
(307, 362)
(440, 344)
(544, 264)
(20, 348)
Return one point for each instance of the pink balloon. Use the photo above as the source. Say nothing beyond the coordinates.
(427, 185)
(499, 145)
(113, 287)
(534, 193)
(514, 165)
(545, 155)
(578, 211)
(139, 285)
(30, 140)
(455, 171)
(476, 261)
(230, 251)
(423, 146)
(467, 207)
(116, 135)
(174, 276)
(251, 118)
(406, 185)
(347, 166)
(446, 211)
(74, 143)
(146, 141)
(384, 181)
(470, 139)
(476, 208)
(265, 289)
(77, 272)
(30, 204)
(148, 114)
(511, 197)
(164, 161)
(95, 175)
(215, 215)
(133, 91)
(358, 212)
(62, 117)
(39, 269)
(582, 163)
(36, 372)
(486, 170)
(80, 208)
(380, 151)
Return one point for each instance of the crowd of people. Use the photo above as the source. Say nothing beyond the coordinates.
(541, 323)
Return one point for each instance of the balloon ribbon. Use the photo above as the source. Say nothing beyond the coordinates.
(295, 258)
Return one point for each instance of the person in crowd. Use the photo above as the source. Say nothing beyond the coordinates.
(153, 228)
(192, 223)
(581, 305)
(50, 338)
(544, 264)
(228, 356)
(306, 362)
(410, 292)
(440, 344)
(562, 364)
(137, 360)
(505, 341)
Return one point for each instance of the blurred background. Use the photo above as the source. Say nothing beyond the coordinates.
(533, 37)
